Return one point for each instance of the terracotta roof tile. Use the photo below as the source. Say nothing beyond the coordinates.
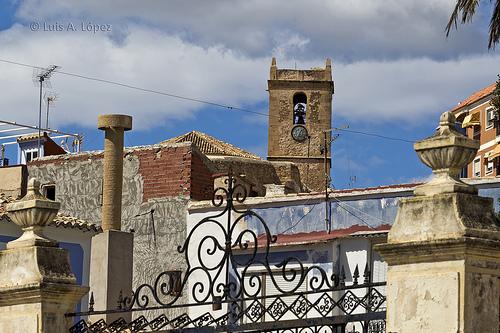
(376, 188)
(31, 136)
(475, 97)
(322, 236)
(210, 146)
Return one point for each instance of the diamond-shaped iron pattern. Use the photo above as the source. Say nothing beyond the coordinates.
(138, 324)
(277, 309)
(203, 320)
(348, 302)
(159, 322)
(325, 304)
(373, 300)
(180, 321)
(80, 327)
(117, 325)
(300, 307)
(98, 326)
(255, 311)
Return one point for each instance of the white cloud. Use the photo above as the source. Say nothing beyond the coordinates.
(344, 30)
(405, 90)
(408, 90)
(146, 58)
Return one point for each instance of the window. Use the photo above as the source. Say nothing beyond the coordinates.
(50, 192)
(490, 117)
(30, 155)
(476, 167)
(476, 132)
(299, 108)
(460, 129)
(463, 173)
(488, 167)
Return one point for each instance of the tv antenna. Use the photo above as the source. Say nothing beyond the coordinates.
(41, 76)
(49, 98)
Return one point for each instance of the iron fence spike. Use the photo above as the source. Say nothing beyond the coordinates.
(367, 274)
(355, 276)
(91, 302)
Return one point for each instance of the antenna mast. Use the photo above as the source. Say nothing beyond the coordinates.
(43, 79)
(324, 150)
(50, 99)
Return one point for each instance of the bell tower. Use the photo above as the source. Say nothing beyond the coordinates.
(300, 110)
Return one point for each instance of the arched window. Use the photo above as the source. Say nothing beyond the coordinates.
(299, 108)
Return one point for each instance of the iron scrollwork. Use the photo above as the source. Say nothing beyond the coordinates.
(217, 273)
(220, 274)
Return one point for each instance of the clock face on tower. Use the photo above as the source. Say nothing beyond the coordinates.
(299, 133)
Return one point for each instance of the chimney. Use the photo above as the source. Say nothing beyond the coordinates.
(113, 125)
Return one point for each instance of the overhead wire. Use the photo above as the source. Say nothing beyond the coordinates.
(374, 135)
(359, 210)
(196, 100)
(340, 204)
(125, 85)
(299, 220)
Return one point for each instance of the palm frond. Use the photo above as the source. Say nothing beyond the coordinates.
(467, 9)
(494, 26)
(464, 11)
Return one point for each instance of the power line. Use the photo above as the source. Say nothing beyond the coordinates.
(340, 204)
(296, 223)
(359, 210)
(375, 135)
(191, 99)
(197, 100)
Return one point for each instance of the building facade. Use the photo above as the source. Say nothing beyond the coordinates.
(479, 120)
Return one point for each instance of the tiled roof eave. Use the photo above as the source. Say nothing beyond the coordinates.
(65, 221)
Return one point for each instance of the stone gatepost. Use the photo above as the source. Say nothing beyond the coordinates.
(37, 286)
(443, 250)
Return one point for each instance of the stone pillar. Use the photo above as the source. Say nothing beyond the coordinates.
(37, 286)
(114, 125)
(443, 250)
(111, 271)
(111, 260)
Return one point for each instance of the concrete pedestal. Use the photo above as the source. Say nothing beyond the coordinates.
(443, 250)
(444, 266)
(111, 270)
(36, 289)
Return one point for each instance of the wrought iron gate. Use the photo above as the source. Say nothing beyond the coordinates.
(224, 286)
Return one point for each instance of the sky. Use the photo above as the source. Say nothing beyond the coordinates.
(394, 69)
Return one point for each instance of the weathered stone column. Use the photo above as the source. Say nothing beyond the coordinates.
(37, 286)
(443, 250)
(111, 259)
(113, 125)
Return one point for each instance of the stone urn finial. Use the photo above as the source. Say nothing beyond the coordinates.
(32, 213)
(447, 152)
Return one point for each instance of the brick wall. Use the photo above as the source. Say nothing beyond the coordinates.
(174, 171)
(166, 171)
(202, 184)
